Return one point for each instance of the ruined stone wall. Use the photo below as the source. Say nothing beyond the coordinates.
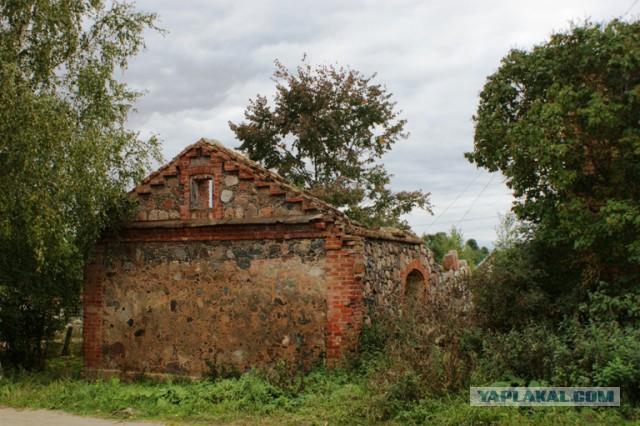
(228, 261)
(387, 264)
(452, 286)
(168, 307)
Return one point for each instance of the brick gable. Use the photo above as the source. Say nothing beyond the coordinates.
(209, 181)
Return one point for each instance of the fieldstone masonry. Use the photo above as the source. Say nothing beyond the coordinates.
(171, 306)
(451, 286)
(226, 260)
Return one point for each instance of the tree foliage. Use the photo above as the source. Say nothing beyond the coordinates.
(441, 242)
(65, 154)
(327, 132)
(561, 123)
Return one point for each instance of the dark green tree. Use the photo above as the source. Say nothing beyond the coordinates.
(473, 253)
(561, 123)
(560, 295)
(65, 155)
(327, 132)
(472, 244)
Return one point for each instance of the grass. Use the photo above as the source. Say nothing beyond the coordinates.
(247, 400)
(371, 393)
(329, 397)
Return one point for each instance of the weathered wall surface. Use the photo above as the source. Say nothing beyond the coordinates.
(164, 203)
(168, 307)
(452, 287)
(238, 190)
(243, 196)
(387, 264)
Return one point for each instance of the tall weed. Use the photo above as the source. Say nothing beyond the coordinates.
(427, 351)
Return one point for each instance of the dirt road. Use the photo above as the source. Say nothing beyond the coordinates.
(13, 417)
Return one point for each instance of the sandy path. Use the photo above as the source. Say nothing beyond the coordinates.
(25, 417)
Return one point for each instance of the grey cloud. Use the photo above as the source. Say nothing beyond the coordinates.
(433, 56)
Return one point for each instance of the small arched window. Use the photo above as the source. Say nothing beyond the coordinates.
(414, 289)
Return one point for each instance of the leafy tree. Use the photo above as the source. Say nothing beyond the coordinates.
(327, 132)
(441, 242)
(438, 243)
(65, 155)
(473, 253)
(561, 123)
(472, 244)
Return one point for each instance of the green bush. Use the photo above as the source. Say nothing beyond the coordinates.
(600, 354)
(525, 283)
(591, 353)
(527, 354)
(540, 317)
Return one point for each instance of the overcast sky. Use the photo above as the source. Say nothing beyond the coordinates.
(434, 56)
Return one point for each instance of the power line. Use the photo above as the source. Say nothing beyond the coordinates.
(629, 10)
(476, 200)
(454, 221)
(456, 199)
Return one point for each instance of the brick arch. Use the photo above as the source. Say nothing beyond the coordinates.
(415, 266)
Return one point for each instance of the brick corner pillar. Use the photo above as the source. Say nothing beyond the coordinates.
(345, 271)
(92, 312)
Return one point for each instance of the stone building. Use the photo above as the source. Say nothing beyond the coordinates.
(228, 261)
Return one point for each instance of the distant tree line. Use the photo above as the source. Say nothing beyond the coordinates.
(441, 242)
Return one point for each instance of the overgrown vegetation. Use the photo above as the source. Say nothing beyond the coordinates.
(329, 397)
(413, 369)
(65, 154)
(417, 356)
(559, 302)
(535, 327)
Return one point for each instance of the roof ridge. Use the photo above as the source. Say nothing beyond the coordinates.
(214, 144)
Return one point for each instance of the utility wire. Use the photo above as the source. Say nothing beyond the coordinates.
(456, 199)
(629, 10)
(454, 221)
(476, 200)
